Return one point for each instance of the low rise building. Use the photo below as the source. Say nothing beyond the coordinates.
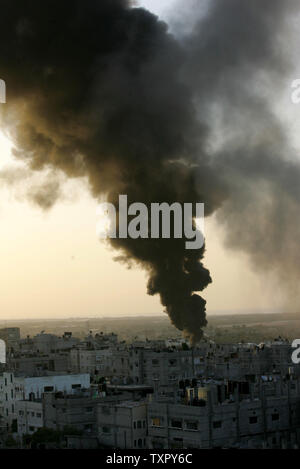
(15, 388)
(122, 425)
(73, 411)
(29, 416)
(267, 421)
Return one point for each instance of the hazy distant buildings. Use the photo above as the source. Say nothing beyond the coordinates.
(46, 344)
(11, 336)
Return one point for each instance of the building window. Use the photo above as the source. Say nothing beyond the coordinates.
(139, 424)
(39, 415)
(176, 423)
(89, 409)
(275, 417)
(192, 425)
(76, 386)
(134, 425)
(106, 430)
(253, 419)
(217, 424)
(48, 388)
(176, 443)
(157, 444)
(156, 422)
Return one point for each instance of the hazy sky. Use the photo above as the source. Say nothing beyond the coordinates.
(52, 264)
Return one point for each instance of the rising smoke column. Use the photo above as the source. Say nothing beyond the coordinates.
(94, 89)
(102, 90)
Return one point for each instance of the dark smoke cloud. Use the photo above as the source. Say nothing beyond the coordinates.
(239, 56)
(102, 90)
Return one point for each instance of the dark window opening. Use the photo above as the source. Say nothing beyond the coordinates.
(217, 424)
(253, 419)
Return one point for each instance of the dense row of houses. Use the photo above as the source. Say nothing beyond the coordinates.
(153, 394)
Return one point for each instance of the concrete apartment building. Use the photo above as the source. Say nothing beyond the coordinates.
(16, 388)
(37, 365)
(165, 366)
(148, 366)
(46, 343)
(122, 425)
(210, 360)
(265, 421)
(10, 334)
(59, 410)
(154, 394)
(64, 410)
(29, 415)
(11, 337)
(100, 341)
(144, 365)
(110, 363)
(91, 361)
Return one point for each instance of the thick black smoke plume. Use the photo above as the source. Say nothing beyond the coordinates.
(98, 88)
